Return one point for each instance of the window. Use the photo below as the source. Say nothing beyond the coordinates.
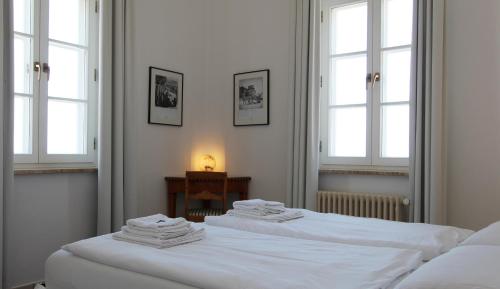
(55, 61)
(365, 85)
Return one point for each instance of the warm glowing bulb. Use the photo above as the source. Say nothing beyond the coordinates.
(207, 163)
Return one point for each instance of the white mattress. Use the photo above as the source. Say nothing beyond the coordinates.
(431, 240)
(230, 259)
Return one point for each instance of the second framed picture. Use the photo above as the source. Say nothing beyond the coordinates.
(165, 96)
(251, 98)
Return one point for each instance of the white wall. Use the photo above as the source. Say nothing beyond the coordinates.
(44, 213)
(473, 111)
(246, 36)
(209, 41)
(169, 35)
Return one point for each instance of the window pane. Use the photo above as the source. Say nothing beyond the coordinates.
(22, 124)
(22, 16)
(349, 26)
(22, 64)
(348, 80)
(396, 75)
(67, 129)
(395, 131)
(397, 18)
(67, 72)
(67, 21)
(347, 132)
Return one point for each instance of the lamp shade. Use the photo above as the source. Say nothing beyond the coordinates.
(208, 163)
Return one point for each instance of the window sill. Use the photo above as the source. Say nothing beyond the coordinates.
(388, 172)
(48, 171)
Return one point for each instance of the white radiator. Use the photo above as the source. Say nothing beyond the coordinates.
(381, 206)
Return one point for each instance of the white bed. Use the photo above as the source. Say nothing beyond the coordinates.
(431, 240)
(228, 259)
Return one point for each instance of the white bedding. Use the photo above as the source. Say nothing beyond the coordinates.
(431, 240)
(489, 236)
(236, 259)
(64, 270)
(465, 267)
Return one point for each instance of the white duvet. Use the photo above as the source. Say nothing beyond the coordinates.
(465, 267)
(431, 240)
(230, 259)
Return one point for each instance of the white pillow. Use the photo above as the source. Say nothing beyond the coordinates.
(487, 236)
(465, 267)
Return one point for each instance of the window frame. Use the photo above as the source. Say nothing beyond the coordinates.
(377, 158)
(39, 155)
(35, 54)
(327, 6)
(373, 105)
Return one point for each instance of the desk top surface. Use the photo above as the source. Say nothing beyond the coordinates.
(229, 178)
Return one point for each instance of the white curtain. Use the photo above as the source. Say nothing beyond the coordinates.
(112, 186)
(427, 154)
(303, 184)
(6, 120)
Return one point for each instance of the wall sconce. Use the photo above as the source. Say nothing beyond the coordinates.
(208, 163)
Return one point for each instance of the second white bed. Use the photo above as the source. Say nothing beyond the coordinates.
(431, 240)
(229, 259)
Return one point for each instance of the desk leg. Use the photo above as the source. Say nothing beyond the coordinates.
(172, 199)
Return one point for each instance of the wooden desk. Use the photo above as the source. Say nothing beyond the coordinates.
(176, 185)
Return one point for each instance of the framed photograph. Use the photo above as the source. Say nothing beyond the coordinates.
(251, 98)
(165, 96)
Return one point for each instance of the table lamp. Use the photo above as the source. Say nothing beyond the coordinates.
(208, 163)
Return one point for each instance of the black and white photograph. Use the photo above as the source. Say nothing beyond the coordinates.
(166, 91)
(251, 98)
(251, 93)
(165, 96)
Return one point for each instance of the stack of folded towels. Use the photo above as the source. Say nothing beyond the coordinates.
(159, 231)
(264, 210)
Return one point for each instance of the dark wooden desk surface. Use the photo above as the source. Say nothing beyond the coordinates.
(176, 185)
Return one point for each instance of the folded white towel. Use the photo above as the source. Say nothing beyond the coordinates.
(196, 235)
(260, 207)
(155, 222)
(259, 212)
(257, 203)
(262, 211)
(288, 215)
(164, 230)
(158, 235)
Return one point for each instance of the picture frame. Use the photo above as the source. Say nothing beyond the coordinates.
(251, 98)
(166, 96)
